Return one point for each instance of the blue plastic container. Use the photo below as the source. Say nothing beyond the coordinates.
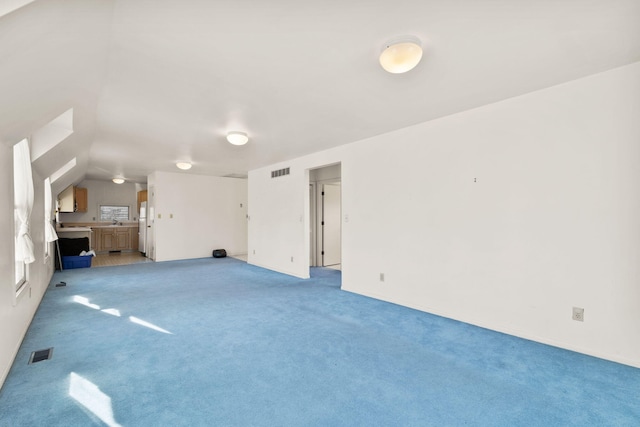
(69, 262)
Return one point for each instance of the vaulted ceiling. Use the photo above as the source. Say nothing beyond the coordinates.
(153, 82)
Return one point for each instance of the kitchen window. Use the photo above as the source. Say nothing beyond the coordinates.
(114, 213)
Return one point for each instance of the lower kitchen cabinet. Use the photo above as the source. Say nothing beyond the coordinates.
(115, 239)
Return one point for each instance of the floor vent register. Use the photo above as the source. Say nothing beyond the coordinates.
(40, 355)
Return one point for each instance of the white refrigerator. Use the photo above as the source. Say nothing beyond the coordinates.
(142, 228)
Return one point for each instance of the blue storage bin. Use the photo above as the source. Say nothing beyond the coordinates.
(69, 262)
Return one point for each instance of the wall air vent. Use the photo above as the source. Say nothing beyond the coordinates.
(279, 173)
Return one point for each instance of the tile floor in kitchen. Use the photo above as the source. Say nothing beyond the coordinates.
(125, 258)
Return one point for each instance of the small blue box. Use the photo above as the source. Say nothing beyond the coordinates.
(69, 262)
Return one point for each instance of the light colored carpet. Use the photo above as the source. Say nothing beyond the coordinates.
(217, 342)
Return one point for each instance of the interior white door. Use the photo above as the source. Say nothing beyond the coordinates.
(331, 225)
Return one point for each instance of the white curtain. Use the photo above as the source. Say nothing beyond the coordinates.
(50, 234)
(23, 187)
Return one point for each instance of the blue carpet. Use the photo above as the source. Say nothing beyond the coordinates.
(217, 342)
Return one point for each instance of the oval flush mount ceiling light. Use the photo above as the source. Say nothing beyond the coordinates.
(237, 138)
(118, 180)
(184, 165)
(401, 54)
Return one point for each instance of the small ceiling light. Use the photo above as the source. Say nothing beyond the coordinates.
(183, 165)
(237, 138)
(118, 180)
(401, 54)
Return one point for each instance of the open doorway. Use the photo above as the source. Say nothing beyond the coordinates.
(325, 196)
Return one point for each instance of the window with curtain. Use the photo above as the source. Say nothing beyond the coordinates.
(23, 204)
(20, 268)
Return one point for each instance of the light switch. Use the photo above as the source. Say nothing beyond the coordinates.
(159, 216)
(170, 215)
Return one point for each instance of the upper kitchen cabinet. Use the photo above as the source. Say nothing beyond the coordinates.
(81, 199)
(73, 199)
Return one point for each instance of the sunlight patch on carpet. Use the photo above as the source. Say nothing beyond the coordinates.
(85, 301)
(90, 397)
(148, 325)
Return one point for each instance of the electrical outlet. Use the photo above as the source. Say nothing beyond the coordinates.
(382, 277)
(254, 251)
(578, 314)
(291, 259)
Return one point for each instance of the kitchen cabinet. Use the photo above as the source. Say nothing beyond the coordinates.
(80, 196)
(73, 199)
(96, 235)
(117, 238)
(123, 239)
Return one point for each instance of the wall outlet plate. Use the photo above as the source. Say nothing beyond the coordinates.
(578, 314)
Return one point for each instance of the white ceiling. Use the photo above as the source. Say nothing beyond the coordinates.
(153, 82)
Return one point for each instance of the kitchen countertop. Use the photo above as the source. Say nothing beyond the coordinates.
(116, 226)
(86, 226)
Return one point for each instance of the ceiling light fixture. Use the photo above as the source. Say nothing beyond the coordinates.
(184, 165)
(118, 180)
(401, 54)
(237, 138)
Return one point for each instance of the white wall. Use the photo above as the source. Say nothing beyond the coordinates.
(37, 86)
(195, 214)
(505, 216)
(16, 314)
(279, 219)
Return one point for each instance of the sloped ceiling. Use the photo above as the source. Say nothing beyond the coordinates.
(153, 82)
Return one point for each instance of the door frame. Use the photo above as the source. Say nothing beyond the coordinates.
(315, 219)
(312, 224)
(321, 219)
(314, 191)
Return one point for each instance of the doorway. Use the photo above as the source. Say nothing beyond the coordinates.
(325, 227)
